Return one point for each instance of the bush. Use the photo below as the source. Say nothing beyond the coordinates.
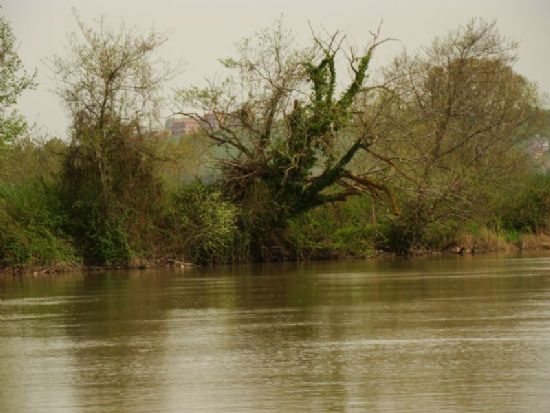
(202, 227)
(527, 207)
(404, 232)
(343, 229)
(103, 241)
(112, 192)
(31, 220)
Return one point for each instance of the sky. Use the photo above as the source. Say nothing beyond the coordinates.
(201, 32)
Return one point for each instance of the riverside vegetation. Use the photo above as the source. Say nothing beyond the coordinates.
(299, 163)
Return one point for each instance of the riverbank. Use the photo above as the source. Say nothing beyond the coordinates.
(466, 245)
(67, 267)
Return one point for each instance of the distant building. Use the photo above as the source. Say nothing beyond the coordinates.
(181, 126)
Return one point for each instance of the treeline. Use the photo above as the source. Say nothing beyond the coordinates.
(431, 154)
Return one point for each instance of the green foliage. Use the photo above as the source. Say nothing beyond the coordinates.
(13, 81)
(31, 212)
(288, 132)
(30, 159)
(505, 210)
(110, 82)
(441, 234)
(334, 230)
(305, 169)
(527, 208)
(399, 235)
(111, 192)
(31, 222)
(450, 118)
(105, 241)
(202, 227)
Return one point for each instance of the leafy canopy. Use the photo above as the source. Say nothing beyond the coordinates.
(13, 81)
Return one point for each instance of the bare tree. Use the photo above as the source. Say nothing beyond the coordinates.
(110, 82)
(112, 73)
(451, 117)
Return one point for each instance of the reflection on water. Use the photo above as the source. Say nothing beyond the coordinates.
(446, 334)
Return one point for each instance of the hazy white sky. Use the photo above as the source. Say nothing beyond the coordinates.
(203, 31)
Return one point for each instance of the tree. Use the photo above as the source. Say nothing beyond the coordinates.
(288, 132)
(451, 118)
(110, 83)
(13, 81)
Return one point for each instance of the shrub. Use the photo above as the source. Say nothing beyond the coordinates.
(31, 220)
(343, 229)
(201, 226)
(527, 207)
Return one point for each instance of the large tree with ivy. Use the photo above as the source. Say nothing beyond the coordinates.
(285, 127)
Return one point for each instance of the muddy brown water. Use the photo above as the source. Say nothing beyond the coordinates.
(451, 334)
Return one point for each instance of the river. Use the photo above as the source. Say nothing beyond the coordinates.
(447, 334)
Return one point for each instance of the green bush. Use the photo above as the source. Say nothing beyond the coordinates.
(441, 234)
(105, 241)
(343, 229)
(112, 192)
(527, 207)
(400, 234)
(202, 227)
(31, 221)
